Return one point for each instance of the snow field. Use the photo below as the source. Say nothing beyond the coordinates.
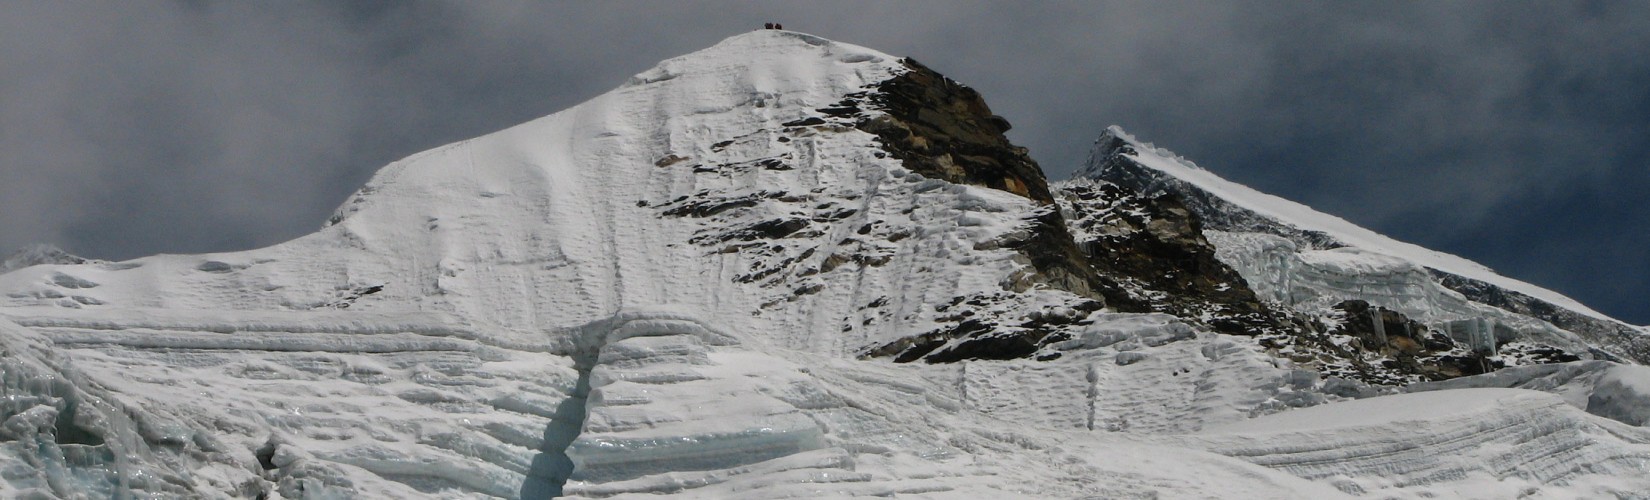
(1464, 443)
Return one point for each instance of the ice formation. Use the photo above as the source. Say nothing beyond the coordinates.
(667, 289)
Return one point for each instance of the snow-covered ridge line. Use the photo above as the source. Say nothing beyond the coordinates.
(373, 343)
(182, 328)
(360, 322)
(1304, 217)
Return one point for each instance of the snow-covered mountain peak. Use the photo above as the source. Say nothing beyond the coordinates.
(1114, 137)
(779, 267)
(759, 80)
(1335, 231)
(770, 53)
(780, 179)
(1233, 212)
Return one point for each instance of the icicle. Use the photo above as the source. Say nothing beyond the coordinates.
(1379, 326)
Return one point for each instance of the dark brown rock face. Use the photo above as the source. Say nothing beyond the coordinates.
(978, 332)
(942, 129)
(1155, 247)
(1126, 242)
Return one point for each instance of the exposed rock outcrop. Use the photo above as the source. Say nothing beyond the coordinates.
(943, 129)
(1130, 252)
(1389, 342)
(1155, 247)
(1626, 342)
(1109, 161)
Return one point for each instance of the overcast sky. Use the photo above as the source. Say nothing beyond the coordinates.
(1515, 134)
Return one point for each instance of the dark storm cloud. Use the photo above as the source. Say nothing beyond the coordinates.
(1511, 133)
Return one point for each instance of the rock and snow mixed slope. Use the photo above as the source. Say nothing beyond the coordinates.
(36, 255)
(1309, 261)
(699, 284)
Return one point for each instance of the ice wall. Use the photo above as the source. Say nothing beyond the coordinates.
(1311, 281)
(659, 401)
(64, 435)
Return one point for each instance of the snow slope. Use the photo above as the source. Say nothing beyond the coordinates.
(1464, 443)
(655, 193)
(665, 290)
(1306, 218)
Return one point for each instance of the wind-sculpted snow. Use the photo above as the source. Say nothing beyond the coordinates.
(673, 413)
(1477, 443)
(1610, 390)
(699, 285)
(435, 336)
(323, 409)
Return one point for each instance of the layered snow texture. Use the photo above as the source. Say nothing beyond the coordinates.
(1615, 391)
(1464, 443)
(665, 290)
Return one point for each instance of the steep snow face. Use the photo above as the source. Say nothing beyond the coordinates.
(709, 182)
(1308, 260)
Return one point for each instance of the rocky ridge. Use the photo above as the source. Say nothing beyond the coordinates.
(1120, 244)
(1523, 324)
